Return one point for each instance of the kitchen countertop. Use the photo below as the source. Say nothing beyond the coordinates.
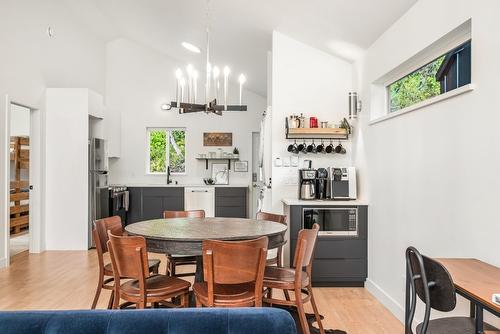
(173, 185)
(296, 201)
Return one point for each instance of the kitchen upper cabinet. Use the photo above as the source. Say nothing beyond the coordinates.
(96, 104)
(112, 124)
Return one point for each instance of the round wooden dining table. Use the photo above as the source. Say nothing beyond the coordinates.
(184, 236)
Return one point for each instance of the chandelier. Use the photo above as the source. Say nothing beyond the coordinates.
(186, 96)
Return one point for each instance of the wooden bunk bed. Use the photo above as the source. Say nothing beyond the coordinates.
(19, 187)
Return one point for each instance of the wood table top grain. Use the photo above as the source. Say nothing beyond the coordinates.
(475, 278)
(199, 229)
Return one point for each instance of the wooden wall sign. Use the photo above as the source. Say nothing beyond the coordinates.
(217, 139)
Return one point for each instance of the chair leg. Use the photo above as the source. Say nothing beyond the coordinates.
(315, 308)
(198, 303)
(111, 299)
(98, 292)
(287, 295)
(301, 313)
(116, 299)
(185, 300)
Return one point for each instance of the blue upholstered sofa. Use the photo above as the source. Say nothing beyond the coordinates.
(172, 321)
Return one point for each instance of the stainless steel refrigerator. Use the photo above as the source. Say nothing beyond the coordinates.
(98, 183)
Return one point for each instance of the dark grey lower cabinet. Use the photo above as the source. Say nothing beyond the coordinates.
(231, 202)
(150, 202)
(338, 260)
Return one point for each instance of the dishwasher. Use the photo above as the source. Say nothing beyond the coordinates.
(200, 198)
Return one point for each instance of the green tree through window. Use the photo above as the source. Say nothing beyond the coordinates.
(417, 86)
(163, 140)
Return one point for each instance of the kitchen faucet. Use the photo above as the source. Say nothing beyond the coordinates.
(168, 175)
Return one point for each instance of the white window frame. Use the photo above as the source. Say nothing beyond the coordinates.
(167, 160)
(380, 104)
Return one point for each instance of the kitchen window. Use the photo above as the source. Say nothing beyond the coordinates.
(445, 73)
(166, 147)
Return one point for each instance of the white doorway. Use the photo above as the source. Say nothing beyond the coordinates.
(23, 137)
(255, 174)
(19, 151)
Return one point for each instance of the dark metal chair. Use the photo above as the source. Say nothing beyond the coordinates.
(432, 283)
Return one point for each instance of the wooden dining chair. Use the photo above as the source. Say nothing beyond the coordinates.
(278, 259)
(100, 234)
(175, 261)
(130, 261)
(431, 282)
(296, 279)
(233, 273)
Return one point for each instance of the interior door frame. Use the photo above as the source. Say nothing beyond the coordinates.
(35, 178)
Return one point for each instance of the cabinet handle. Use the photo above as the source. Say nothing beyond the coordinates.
(199, 191)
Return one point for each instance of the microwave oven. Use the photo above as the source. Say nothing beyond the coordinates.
(336, 221)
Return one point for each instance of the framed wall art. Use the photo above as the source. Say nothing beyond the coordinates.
(241, 166)
(217, 139)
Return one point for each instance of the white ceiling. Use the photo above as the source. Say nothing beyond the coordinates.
(241, 31)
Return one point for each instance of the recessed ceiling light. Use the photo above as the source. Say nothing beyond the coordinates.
(191, 47)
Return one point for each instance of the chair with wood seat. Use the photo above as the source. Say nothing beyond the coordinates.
(175, 261)
(278, 259)
(431, 282)
(130, 261)
(100, 234)
(233, 273)
(296, 279)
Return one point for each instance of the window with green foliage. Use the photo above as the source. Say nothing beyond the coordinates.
(448, 72)
(167, 147)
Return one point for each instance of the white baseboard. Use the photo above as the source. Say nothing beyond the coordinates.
(386, 300)
(3, 262)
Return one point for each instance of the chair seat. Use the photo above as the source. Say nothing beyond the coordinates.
(282, 278)
(108, 269)
(453, 325)
(156, 285)
(226, 294)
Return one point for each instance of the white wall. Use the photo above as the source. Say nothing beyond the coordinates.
(72, 58)
(309, 81)
(432, 173)
(138, 81)
(66, 169)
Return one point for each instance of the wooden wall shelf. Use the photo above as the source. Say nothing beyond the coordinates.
(228, 159)
(317, 133)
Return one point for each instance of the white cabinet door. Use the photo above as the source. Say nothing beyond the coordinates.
(200, 198)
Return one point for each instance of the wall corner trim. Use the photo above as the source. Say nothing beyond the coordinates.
(386, 300)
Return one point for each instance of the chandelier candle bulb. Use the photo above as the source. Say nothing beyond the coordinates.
(242, 80)
(226, 77)
(195, 86)
(189, 71)
(207, 84)
(182, 84)
(216, 81)
(178, 76)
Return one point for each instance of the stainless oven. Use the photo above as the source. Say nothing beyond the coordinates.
(336, 221)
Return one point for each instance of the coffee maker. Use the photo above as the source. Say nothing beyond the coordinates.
(307, 183)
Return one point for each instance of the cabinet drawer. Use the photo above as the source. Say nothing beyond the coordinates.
(339, 270)
(231, 212)
(326, 248)
(231, 192)
(230, 201)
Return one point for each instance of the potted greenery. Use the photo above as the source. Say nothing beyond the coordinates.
(236, 153)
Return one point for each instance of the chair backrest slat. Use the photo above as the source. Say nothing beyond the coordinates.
(129, 256)
(261, 215)
(102, 226)
(234, 262)
(305, 253)
(184, 214)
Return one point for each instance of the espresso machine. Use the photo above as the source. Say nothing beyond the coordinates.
(307, 183)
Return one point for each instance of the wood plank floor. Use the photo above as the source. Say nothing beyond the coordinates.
(67, 280)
